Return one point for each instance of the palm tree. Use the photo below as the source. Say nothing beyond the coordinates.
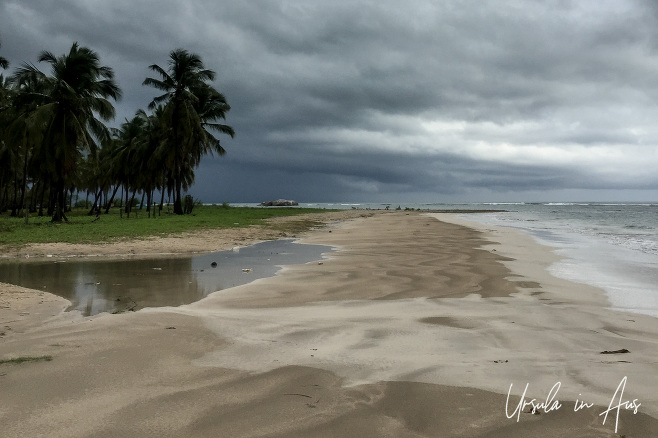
(152, 171)
(212, 106)
(4, 63)
(188, 138)
(66, 122)
(131, 154)
(4, 105)
(111, 167)
(7, 153)
(28, 90)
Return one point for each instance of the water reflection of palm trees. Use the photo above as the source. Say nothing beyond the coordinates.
(112, 286)
(122, 285)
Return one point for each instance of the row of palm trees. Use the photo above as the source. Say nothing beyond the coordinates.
(54, 140)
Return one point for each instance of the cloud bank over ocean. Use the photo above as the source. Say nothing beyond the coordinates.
(379, 101)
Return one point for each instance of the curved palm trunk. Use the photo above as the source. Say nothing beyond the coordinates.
(14, 204)
(149, 195)
(25, 159)
(60, 202)
(132, 201)
(96, 203)
(162, 196)
(178, 167)
(126, 205)
(36, 189)
(2, 191)
(5, 199)
(42, 199)
(109, 203)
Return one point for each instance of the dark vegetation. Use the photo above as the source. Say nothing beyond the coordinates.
(55, 145)
(23, 359)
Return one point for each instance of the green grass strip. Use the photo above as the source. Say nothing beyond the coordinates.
(116, 227)
(23, 359)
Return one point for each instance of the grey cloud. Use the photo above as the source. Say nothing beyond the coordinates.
(332, 99)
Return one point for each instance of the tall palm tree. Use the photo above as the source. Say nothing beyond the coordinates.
(152, 171)
(29, 90)
(4, 63)
(133, 154)
(185, 80)
(7, 153)
(4, 105)
(70, 120)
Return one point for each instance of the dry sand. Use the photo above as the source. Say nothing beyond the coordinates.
(415, 327)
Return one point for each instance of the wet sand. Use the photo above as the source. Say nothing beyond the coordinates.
(414, 327)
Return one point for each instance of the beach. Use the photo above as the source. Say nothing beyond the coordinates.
(418, 325)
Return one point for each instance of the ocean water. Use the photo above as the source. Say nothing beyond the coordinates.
(613, 246)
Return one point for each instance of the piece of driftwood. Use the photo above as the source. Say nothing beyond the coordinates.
(623, 350)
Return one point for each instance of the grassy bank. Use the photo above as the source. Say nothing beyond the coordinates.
(113, 226)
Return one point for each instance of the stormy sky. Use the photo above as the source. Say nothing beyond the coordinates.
(392, 101)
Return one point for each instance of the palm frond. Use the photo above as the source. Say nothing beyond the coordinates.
(218, 127)
(159, 70)
(47, 56)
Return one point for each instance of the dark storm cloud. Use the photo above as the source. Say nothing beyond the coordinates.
(376, 100)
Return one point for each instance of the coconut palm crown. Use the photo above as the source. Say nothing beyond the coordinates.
(70, 118)
(191, 105)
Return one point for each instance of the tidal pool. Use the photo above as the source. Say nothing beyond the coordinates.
(95, 286)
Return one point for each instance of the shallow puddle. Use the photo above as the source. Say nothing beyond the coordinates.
(119, 285)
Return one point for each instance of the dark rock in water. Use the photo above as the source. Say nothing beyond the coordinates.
(531, 409)
(127, 305)
(213, 264)
(278, 203)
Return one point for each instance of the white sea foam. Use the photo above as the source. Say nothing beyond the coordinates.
(610, 246)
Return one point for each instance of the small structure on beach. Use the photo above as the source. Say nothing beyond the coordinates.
(278, 203)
